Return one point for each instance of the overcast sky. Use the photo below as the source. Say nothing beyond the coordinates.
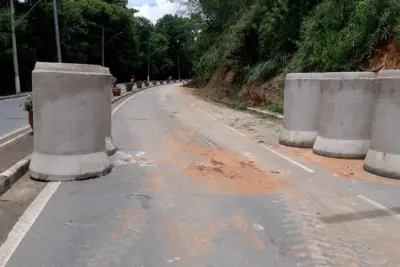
(153, 9)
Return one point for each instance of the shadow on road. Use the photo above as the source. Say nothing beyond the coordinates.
(355, 216)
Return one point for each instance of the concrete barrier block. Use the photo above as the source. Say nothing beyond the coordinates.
(301, 109)
(383, 157)
(109, 142)
(70, 127)
(347, 100)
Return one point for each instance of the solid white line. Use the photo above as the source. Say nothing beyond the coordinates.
(14, 139)
(233, 129)
(379, 206)
(25, 222)
(123, 103)
(288, 159)
(4, 136)
(208, 115)
(227, 126)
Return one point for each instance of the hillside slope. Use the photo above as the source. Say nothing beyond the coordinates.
(245, 48)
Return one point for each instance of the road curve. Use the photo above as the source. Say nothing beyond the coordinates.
(191, 189)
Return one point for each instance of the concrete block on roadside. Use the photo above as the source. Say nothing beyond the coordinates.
(107, 97)
(301, 109)
(383, 157)
(347, 100)
(69, 103)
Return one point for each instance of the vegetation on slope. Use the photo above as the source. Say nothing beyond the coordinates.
(244, 47)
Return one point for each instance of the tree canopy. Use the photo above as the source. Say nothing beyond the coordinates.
(130, 41)
(259, 39)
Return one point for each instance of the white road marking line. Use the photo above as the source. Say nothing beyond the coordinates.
(4, 136)
(379, 206)
(123, 103)
(258, 227)
(288, 159)
(227, 126)
(25, 222)
(13, 139)
(210, 143)
(205, 113)
(233, 129)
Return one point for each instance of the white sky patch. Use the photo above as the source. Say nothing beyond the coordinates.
(153, 9)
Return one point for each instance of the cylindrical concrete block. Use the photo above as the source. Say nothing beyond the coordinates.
(109, 142)
(347, 100)
(70, 129)
(301, 109)
(383, 157)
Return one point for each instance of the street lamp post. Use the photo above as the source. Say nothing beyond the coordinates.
(14, 48)
(104, 45)
(57, 31)
(179, 68)
(148, 62)
(14, 39)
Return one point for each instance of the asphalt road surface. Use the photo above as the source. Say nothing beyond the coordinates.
(200, 185)
(12, 117)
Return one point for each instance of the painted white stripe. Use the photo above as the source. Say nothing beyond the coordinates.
(205, 113)
(215, 119)
(25, 222)
(233, 129)
(14, 139)
(288, 159)
(4, 136)
(123, 103)
(379, 206)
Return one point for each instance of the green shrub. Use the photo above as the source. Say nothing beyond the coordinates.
(276, 107)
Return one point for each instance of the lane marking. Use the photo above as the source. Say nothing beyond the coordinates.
(210, 144)
(123, 103)
(215, 119)
(14, 139)
(4, 136)
(233, 129)
(25, 222)
(379, 206)
(202, 111)
(288, 159)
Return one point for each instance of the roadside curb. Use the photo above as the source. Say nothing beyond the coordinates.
(14, 96)
(133, 92)
(253, 110)
(13, 174)
(265, 112)
(16, 171)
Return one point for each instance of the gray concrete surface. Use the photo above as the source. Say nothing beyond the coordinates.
(346, 115)
(302, 100)
(383, 158)
(69, 103)
(12, 117)
(107, 96)
(188, 192)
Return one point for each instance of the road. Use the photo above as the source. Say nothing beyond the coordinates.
(196, 184)
(12, 117)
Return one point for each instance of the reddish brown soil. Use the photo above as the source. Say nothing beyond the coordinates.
(345, 168)
(222, 172)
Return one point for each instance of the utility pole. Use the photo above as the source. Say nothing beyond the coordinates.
(102, 46)
(57, 31)
(14, 47)
(148, 62)
(179, 68)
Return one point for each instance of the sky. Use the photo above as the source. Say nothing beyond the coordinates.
(153, 9)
